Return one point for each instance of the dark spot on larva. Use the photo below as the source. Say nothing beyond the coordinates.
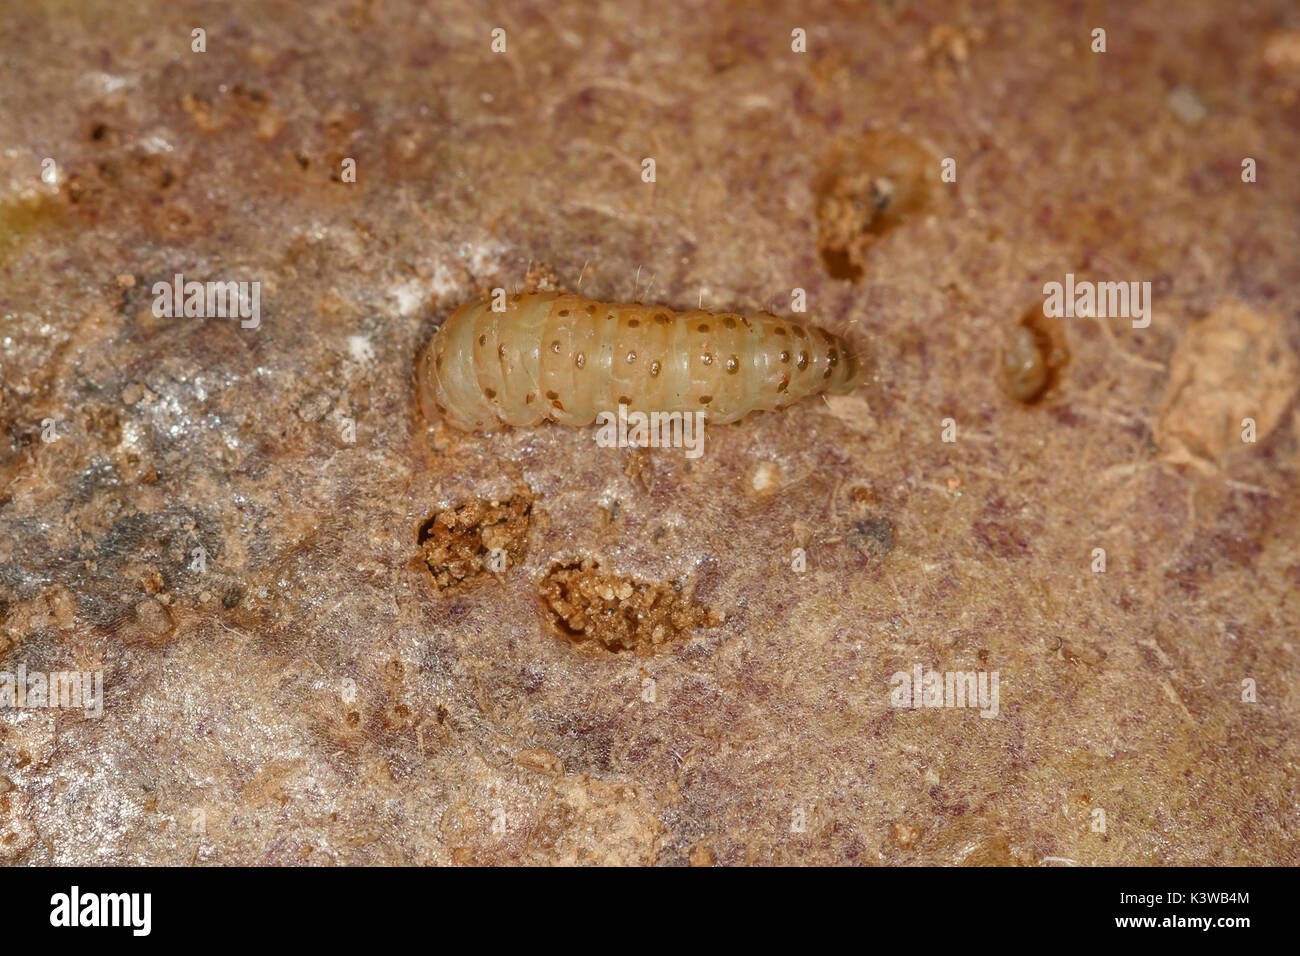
(490, 392)
(828, 372)
(704, 326)
(803, 361)
(661, 318)
(580, 360)
(591, 309)
(744, 321)
(437, 362)
(555, 346)
(624, 400)
(729, 322)
(785, 356)
(440, 409)
(654, 368)
(501, 351)
(799, 332)
(832, 356)
(552, 395)
(705, 399)
(482, 340)
(784, 383)
(564, 313)
(631, 357)
(558, 405)
(707, 358)
(780, 330)
(633, 323)
(733, 364)
(528, 399)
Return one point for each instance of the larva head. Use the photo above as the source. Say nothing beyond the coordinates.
(426, 386)
(846, 372)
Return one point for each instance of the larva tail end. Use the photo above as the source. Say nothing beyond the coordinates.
(432, 399)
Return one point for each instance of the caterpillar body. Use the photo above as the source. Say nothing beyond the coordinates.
(566, 358)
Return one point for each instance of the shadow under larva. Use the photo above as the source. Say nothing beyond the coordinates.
(561, 357)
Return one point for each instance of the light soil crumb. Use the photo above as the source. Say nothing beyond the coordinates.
(621, 614)
(1233, 365)
(461, 543)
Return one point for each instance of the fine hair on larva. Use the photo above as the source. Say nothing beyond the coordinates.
(562, 357)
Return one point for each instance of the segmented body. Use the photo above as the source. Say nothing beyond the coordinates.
(565, 358)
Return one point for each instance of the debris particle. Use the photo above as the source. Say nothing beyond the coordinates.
(1186, 105)
(765, 477)
(460, 543)
(1235, 364)
(867, 188)
(154, 619)
(905, 834)
(621, 614)
(540, 760)
(701, 857)
(1282, 50)
(313, 407)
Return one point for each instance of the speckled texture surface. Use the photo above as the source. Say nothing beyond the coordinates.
(310, 696)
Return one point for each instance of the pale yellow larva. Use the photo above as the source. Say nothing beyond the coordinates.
(565, 358)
